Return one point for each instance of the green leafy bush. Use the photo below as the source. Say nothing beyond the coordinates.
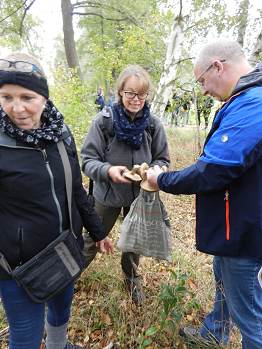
(75, 100)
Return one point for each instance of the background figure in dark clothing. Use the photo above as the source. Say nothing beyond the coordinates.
(100, 100)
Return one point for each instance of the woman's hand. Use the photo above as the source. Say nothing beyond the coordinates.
(105, 246)
(152, 174)
(116, 174)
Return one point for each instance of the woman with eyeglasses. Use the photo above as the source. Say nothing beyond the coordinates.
(33, 200)
(119, 138)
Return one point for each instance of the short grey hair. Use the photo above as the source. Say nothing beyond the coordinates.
(221, 49)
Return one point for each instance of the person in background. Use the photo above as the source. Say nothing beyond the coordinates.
(33, 201)
(100, 100)
(227, 181)
(185, 109)
(204, 107)
(136, 136)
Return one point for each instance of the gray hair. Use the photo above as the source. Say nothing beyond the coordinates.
(221, 49)
(140, 73)
(18, 56)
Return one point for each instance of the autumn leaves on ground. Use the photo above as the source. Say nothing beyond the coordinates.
(177, 293)
(180, 292)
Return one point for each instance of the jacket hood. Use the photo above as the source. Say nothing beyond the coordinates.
(252, 79)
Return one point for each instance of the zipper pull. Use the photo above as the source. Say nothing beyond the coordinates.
(227, 215)
(44, 155)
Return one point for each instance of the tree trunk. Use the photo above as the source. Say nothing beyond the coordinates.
(69, 41)
(256, 54)
(166, 84)
(243, 15)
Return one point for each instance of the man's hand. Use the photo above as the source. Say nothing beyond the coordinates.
(116, 174)
(105, 246)
(152, 174)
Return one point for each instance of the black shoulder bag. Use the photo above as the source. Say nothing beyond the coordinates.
(58, 264)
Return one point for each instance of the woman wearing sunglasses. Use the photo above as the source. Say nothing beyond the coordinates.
(33, 201)
(120, 137)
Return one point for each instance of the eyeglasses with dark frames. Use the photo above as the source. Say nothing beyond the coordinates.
(20, 66)
(205, 71)
(132, 95)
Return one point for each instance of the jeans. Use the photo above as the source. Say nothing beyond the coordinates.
(217, 323)
(239, 294)
(26, 319)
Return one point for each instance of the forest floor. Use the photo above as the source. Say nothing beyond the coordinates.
(177, 293)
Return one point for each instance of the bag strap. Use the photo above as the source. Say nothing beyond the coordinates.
(68, 180)
(91, 187)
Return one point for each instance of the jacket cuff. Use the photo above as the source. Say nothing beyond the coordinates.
(104, 171)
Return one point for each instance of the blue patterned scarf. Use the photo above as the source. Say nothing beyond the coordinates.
(127, 130)
(50, 130)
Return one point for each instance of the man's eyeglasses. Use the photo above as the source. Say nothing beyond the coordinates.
(20, 66)
(198, 80)
(132, 95)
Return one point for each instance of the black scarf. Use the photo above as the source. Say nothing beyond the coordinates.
(127, 130)
(50, 130)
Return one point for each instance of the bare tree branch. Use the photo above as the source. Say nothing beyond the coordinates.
(101, 16)
(80, 3)
(23, 17)
(86, 4)
(12, 13)
(183, 60)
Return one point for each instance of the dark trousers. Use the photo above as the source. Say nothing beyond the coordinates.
(109, 215)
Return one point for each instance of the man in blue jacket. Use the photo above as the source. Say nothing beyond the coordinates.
(227, 181)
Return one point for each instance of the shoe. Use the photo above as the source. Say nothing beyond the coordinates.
(192, 334)
(73, 346)
(134, 288)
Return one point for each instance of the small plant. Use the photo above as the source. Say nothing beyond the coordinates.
(176, 300)
(147, 339)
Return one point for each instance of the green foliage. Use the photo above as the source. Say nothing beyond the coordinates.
(176, 300)
(74, 100)
(17, 30)
(114, 44)
(209, 16)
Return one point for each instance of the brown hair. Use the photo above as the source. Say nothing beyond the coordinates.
(140, 73)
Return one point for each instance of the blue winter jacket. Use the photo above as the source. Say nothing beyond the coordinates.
(227, 178)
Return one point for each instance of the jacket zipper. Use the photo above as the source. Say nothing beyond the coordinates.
(53, 189)
(227, 215)
(43, 151)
